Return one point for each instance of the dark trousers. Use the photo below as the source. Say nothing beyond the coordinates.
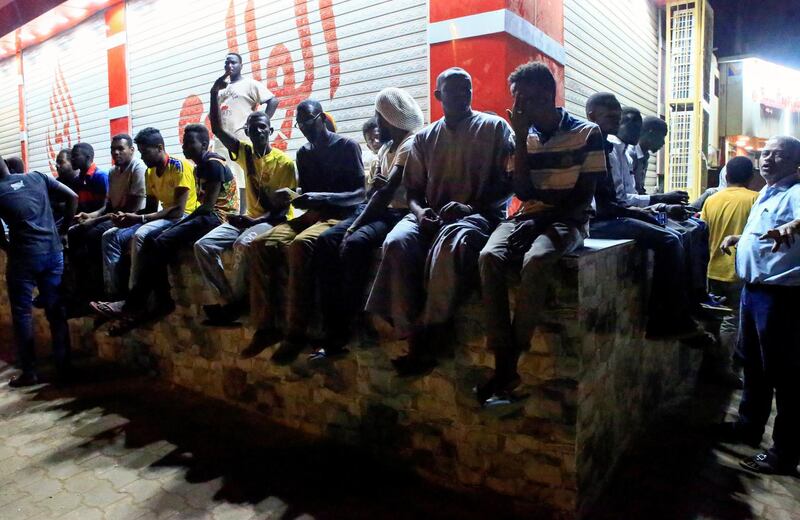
(158, 250)
(693, 234)
(343, 269)
(22, 275)
(86, 259)
(668, 299)
(769, 347)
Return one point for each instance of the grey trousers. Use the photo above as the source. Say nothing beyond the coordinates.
(729, 327)
(421, 280)
(208, 252)
(536, 267)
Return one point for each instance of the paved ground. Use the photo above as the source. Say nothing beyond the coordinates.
(125, 447)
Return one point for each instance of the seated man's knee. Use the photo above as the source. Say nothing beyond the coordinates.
(489, 259)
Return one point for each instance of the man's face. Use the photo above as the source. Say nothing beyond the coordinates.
(535, 100)
(373, 138)
(652, 140)
(79, 159)
(630, 128)
(777, 162)
(258, 129)
(310, 124)
(607, 118)
(455, 94)
(121, 152)
(233, 67)
(63, 165)
(193, 147)
(152, 155)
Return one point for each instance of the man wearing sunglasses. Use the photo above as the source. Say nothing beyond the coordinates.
(331, 179)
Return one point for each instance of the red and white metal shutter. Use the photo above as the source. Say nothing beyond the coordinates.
(340, 52)
(9, 109)
(66, 94)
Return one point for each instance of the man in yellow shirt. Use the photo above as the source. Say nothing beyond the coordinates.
(726, 214)
(168, 181)
(270, 175)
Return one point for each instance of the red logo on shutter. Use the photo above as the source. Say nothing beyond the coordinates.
(65, 129)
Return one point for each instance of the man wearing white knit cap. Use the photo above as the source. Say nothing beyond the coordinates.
(457, 183)
(344, 252)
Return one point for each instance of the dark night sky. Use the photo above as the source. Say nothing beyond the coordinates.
(769, 29)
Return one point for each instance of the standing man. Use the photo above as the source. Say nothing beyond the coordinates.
(126, 193)
(726, 214)
(331, 177)
(651, 140)
(768, 261)
(92, 182)
(557, 162)
(270, 175)
(35, 259)
(457, 185)
(237, 100)
(169, 182)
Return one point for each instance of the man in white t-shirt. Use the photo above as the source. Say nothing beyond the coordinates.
(238, 100)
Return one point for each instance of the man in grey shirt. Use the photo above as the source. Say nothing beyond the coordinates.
(457, 182)
(126, 193)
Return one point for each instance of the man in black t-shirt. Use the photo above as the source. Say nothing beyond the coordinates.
(35, 259)
(331, 178)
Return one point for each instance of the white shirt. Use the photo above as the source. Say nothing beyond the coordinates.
(624, 182)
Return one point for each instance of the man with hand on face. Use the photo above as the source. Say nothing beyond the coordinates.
(651, 140)
(270, 178)
(557, 162)
(126, 193)
(669, 316)
(218, 198)
(237, 99)
(457, 184)
(768, 261)
(168, 181)
(92, 182)
(331, 177)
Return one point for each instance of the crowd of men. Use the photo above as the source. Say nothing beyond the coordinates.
(436, 202)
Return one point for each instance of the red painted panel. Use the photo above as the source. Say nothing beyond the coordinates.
(448, 9)
(117, 77)
(121, 125)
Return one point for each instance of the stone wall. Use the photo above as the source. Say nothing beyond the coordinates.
(591, 383)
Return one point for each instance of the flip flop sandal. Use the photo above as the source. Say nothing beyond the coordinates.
(106, 309)
(766, 463)
(322, 354)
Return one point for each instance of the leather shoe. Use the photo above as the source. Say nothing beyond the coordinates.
(23, 380)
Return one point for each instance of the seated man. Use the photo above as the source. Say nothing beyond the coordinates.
(457, 184)
(345, 252)
(126, 193)
(218, 197)
(768, 260)
(269, 175)
(34, 260)
(67, 176)
(15, 165)
(726, 213)
(651, 140)
(557, 162)
(169, 182)
(372, 138)
(92, 182)
(331, 177)
(669, 316)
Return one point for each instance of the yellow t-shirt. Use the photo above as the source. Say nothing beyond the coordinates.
(726, 213)
(178, 174)
(272, 172)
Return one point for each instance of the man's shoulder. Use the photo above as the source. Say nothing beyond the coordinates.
(579, 125)
(344, 141)
(179, 165)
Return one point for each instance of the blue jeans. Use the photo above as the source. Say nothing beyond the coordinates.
(22, 275)
(769, 347)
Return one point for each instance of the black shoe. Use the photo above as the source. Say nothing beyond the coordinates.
(23, 380)
(768, 463)
(737, 433)
(413, 365)
(287, 351)
(262, 340)
(497, 390)
(321, 354)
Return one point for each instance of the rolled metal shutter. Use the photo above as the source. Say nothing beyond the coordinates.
(339, 52)
(66, 94)
(9, 109)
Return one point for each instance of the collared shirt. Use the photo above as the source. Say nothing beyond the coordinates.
(755, 262)
(267, 174)
(92, 189)
(126, 183)
(621, 173)
(25, 208)
(639, 160)
(555, 162)
(178, 173)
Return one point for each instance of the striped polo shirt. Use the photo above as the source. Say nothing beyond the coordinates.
(556, 162)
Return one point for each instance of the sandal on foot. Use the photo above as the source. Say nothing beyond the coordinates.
(497, 390)
(768, 464)
(111, 310)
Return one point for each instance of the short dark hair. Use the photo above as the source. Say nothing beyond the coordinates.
(123, 137)
(631, 111)
(86, 148)
(64, 151)
(200, 130)
(149, 137)
(312, 106)
(369, 125)
(534, 73)
(15, 164)
(452, 72)
(239, 56)
(739, 170)
(257, 113)
(602, 99)
(654, 124)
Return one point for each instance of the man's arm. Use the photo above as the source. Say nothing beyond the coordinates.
(271, 106)
(228, 139)
(380, 199)
(355, 183)
(61, 193)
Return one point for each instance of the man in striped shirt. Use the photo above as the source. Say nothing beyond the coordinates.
(557, 161)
